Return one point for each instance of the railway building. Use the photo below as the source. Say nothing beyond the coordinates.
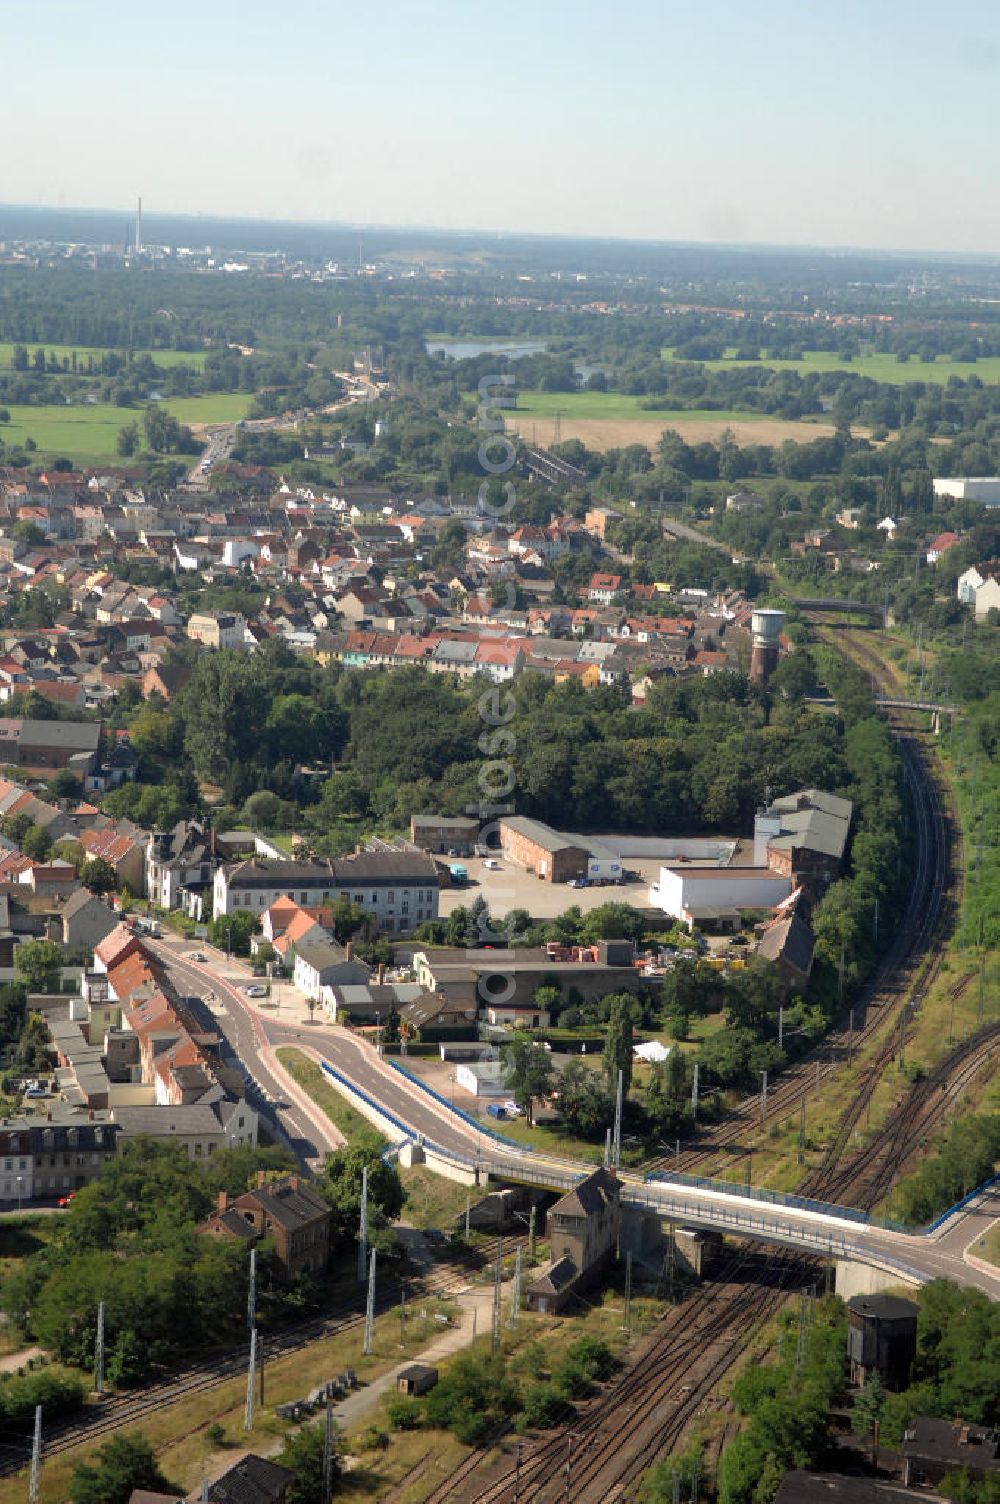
(583, 1234)
(881, 1338)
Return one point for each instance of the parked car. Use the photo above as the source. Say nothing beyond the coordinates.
(256, 991)
(578, 882)
(65, 1200)
(492, 864)
(195, 955)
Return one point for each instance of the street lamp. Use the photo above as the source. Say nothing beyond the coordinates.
(19, 1183)
(451, 1078)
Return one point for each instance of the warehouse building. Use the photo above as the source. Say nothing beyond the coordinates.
(804, 836)
(558, 856)
(444, 834)
(553, 857)
(715, 897)
(981, 488)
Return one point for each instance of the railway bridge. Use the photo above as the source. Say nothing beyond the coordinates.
(460, 1147)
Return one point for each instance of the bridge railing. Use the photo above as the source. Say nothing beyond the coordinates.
(459, 1112)
(736, 1219)
(960, 1206)
(775, 1198)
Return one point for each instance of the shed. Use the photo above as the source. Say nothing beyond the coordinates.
(417, 1378)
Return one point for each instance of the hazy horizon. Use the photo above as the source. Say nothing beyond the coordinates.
(864, 128)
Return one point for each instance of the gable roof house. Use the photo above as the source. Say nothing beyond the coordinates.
(287, 1210)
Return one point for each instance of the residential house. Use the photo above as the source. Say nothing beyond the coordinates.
(605, 589)
(124, 852)
(86, 920)
(288, 1211)
(180, 865)
(940, 545)
(397, 888)
(225, 629)
(325, 963)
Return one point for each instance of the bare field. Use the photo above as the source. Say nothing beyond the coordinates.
(616, 433)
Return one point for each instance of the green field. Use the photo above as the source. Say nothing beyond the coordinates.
(879, 367)
(162, 357)
(88, 432)
(615, 406)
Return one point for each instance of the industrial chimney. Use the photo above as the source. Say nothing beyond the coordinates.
(766, 627)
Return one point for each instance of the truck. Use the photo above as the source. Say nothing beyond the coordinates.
(496, 1110)
(459, 874)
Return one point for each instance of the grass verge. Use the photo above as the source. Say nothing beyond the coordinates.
(342, 1115)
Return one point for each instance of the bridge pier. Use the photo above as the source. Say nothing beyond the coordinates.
(863, 1279)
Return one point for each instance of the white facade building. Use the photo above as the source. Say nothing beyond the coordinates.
(979, 590)
(398, 889)
(982, 488)
(690, 893)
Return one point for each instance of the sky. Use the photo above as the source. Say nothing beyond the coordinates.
(858, 122)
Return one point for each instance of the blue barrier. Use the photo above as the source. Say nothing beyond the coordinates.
(404, 1128)
(942, 1219)
(459, 1112)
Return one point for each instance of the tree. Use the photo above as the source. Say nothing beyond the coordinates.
(127, 441)
(39, 962)
(302, 1454)
(37, 843)
(340, 1185)
(348, 918)
(98, 875)
(65, 785)
(869, 1405)
(124, 1463)
(613, 921)
(527, 1072)
(548, 999)
(28, 532)
(232, 932)
(618, 1045)
(585, 1108)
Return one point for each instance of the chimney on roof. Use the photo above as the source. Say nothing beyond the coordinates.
(349, 950)
(261, 1179)
(381, 973)
(222, 1201)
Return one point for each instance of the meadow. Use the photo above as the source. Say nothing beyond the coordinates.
(608, 420)
(878, 366)
(164, 358)
(88, 432)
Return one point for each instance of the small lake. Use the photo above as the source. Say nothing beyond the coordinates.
(468, 349)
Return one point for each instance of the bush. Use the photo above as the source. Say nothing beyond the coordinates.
(404, 1413)
(473, 1398)
(545, 1405)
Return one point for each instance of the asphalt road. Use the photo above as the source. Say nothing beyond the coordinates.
(251, 1036)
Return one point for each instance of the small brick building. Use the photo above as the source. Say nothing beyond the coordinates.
(550, 855)
(289, 1211)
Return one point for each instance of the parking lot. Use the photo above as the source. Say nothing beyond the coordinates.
(510, 887)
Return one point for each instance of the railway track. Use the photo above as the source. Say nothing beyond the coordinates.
(868, 1175)
(596, 1457)
(645, 1409)
(902, 979)
(129, 1407)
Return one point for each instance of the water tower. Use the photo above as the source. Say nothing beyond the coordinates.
(766, 627)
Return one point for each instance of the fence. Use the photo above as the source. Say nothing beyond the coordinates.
(987, 1185)
(776, 1198)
